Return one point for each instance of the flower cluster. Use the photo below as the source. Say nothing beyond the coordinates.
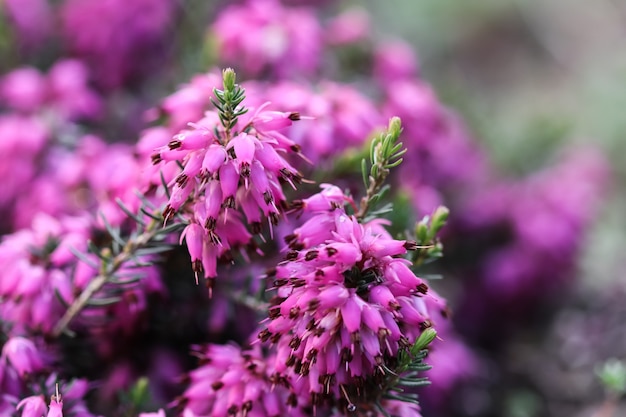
(137, 32)
(63, 91)
(229, 168)
(328, 308)
(231, 382)
(347, 302)
(280, 40)
(42, 275)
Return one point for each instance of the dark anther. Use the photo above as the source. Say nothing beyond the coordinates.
(422, 288)
(175, 144)
(291, 255)
(331, 251)
(310, 255)
(264, 335)
(155, 158)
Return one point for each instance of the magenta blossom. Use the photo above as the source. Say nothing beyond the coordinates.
(233, 382)
(264, 36)
(347, 303)
(228, 176)
(23, 356)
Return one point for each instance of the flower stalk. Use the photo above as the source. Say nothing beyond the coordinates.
(385, 153)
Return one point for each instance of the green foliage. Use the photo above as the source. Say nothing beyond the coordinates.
(612, 374)
(406, 373)
(229, 101)
(147, 239)
(385, 152)
(429, 247)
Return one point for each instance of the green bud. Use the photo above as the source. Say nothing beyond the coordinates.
(421, 230)
(395, 127)
(424, 340)
(439, 219)
(613, 376)
(229, 77)
(139, 391)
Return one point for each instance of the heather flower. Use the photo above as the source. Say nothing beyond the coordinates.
(32, 21)
(351, 26)
(137, 31)
(56, 406)
(346, 304)
(344, 118)
(394, 60)
(231, 381)
(23, 139)
(229, 173)
(73, 394)
(40, 270)
(33, 406)
(23, 356)
(282, 41)
(23, 89)
(63, 92)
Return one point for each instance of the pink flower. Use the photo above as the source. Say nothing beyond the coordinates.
(282, 40)
(33, 406)
(56, 406)
(227, 174)
(346, 304)
(230, 381)
(23, 355)
(136, 30)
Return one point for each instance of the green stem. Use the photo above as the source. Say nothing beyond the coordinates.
(107, 273)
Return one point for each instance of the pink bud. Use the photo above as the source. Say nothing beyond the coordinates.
(195, 139)
(194, 236)
(229, 180)
(56, 407)
(244, 148)
(214, 158)
(33, 406)
(351, 314)
(22, 355)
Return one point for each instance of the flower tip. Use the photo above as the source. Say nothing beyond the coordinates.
(395, 126)
(427, 336)
(229, 78)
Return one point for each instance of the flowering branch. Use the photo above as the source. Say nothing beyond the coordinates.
(229, 100)
(114, 258)
(385, 153)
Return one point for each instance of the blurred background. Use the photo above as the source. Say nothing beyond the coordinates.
(531, 77)
(535, 82)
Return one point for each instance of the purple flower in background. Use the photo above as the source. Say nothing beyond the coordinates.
(537, 225)
(33, 406)
(231, 381)
(138, 32)
(263, 37)
(394, 60)
(62, 93)
(23, 138)
(22, 355)
(351, 26)
(343, 117)
(32, 21)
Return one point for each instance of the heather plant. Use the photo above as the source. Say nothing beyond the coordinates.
(267, 246)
